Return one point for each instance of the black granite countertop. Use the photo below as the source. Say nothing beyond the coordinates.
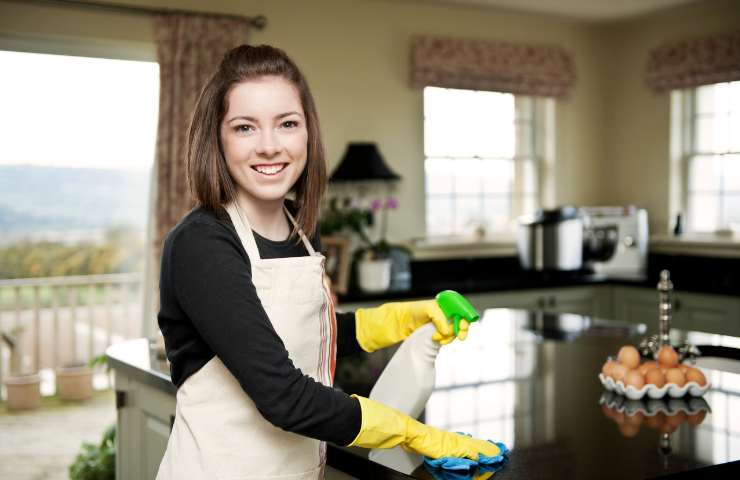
(530, 380)
(489, 274)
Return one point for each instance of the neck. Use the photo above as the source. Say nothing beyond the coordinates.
(266, 217)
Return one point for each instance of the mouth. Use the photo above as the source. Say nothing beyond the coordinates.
(269, 169)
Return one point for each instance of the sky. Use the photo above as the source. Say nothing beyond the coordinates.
(66, 111)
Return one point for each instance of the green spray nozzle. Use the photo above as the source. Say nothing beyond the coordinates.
(456, 308)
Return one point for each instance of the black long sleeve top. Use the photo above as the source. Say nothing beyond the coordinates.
(209, 306)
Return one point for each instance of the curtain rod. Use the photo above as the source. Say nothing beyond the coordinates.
(259, 22)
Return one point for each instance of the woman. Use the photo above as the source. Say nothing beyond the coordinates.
(248, 323)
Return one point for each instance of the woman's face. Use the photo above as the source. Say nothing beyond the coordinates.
(264, 137)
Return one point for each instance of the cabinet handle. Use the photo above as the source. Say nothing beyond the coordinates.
(552, 301)
(121, 398)
(677, 305)
(541, 302)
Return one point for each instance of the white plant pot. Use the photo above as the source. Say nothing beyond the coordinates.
(24, 392)
(374, 275)
(74, 382)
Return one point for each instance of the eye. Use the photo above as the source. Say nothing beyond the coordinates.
(289, 124)
(243, 128)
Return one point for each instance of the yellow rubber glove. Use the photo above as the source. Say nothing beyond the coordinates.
(392, 322)
(385, 427)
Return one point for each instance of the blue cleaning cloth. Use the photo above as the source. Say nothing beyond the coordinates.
(457, 463)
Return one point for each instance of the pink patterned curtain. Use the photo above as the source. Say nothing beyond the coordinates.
(189, 49)
(489, 65)
(696, 62)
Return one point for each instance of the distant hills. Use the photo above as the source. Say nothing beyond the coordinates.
(49, 202)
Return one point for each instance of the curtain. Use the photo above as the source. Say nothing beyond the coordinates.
(491, 65)
(189, 49)
(695, 62)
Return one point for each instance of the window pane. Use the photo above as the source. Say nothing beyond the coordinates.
(705, 174)
(705, 99)
(734, 131)
(497, 210)
(497, 175)
(732, 173)
(711, 133)
(731, 209)
(468, 180)
(466, 123)
(439, 215)
(439, 175)
(468, 214)
(704, 211)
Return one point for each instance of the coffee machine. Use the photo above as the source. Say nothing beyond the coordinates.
(607, 240)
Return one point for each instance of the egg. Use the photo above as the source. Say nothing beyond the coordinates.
(643, 369)
(629, 356)
(695, 375)
(675, 375)
(608, 367)
(656, 420)
(667, 356)
(618, 372)
(629, 430)
(634, 419)
(655, 377)
(676, 420)
(684, 368)
(634, 379)
(697, 418)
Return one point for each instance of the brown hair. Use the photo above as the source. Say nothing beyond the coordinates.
(210, 183)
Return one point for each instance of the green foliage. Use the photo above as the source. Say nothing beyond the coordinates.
(96, 462)
(122, 251)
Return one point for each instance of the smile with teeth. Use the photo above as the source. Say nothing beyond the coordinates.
(270, 169)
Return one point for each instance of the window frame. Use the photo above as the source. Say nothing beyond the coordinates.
(539, 114)
(686, 108)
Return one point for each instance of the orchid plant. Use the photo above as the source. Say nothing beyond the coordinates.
(349, 214)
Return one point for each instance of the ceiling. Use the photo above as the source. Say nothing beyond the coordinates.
(594, 10)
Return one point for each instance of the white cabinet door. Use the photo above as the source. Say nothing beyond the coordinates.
(691, 311)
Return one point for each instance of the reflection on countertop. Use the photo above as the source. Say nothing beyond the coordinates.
(530, 380)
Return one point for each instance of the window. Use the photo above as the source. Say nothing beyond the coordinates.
(481, 165)
(711, 160)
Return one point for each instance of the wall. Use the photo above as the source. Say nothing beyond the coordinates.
(355, 55)
(637, 119)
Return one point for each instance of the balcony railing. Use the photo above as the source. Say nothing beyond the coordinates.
(60, 321)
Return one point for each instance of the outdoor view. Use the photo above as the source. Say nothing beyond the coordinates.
(77, 139)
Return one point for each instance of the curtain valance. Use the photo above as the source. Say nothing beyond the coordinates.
(695, 62)
(491, 65)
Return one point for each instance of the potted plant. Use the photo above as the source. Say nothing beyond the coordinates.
(23, 389)
(74, 382)
(96, 462)
(373, 258)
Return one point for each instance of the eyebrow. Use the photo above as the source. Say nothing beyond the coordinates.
(252, 119)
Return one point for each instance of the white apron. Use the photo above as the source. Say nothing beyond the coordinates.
(218, 432)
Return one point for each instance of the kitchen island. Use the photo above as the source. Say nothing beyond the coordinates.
(525, 378)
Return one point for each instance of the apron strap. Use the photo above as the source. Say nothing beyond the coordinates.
(308, 245)
(243, 229)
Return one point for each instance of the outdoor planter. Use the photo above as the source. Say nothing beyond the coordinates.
(74, 382)
(24, 392)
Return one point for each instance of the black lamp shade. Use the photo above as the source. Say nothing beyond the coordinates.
(362, 162)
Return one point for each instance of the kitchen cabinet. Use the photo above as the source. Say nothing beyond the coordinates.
(691, 311)
(589, 300)
(145, 416)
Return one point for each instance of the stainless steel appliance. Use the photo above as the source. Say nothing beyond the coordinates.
(609, 240)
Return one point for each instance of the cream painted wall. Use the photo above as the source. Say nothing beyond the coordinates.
(355, 55)
(612, 133)
(638, 120)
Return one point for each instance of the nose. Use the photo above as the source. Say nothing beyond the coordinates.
(268, 144)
